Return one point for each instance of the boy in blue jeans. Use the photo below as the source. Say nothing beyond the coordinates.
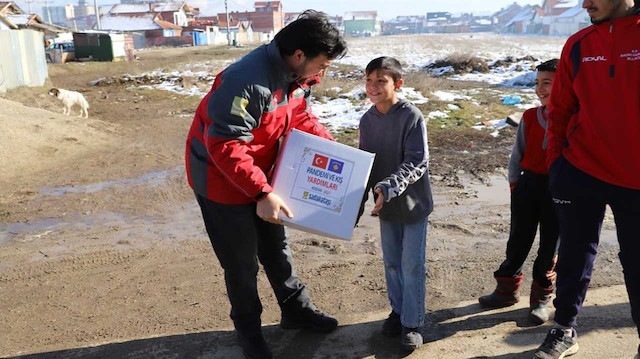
(395, 131)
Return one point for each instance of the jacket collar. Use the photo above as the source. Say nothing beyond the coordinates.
(284, 74)
(276, 60)
(628, 20)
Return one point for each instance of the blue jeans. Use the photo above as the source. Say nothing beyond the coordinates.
(403, 250)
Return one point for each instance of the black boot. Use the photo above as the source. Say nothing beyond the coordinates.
(538, 303)
(307, 318)
(505, 294)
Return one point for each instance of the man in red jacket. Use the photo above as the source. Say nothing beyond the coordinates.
(231, 149)
(594, 144)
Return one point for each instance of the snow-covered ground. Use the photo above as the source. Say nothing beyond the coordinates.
(347, 110)
(418, 51)
(415, 52)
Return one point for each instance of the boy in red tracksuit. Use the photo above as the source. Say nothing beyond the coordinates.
(531, 205)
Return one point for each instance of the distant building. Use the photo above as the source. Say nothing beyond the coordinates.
(528, 20)
(553, 8)
(431, 16)
(362, 23)
(148, 29)
(290, 17)
(557, 7)
(83, 9)
(334, 20)
(505, 15)
(570, 21)
(60, 14)
(481, 24)
(404, 25)
(268, 17)
(173, 12)
(13, 18)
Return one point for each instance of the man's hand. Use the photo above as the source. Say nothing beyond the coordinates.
(379, 202)
(269, 208)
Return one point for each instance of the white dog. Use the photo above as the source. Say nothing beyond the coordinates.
(70, 99)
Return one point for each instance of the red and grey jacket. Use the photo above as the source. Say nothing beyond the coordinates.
(235, 135)
(530, 149)
(594, 112)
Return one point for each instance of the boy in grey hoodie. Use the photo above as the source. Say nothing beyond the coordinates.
(396, 132)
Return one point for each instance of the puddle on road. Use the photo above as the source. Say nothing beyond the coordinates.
(495, 192)
(148, 179)
(183, 221)
(41, 228)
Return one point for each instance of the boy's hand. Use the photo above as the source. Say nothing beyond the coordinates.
(512, 185)
(379, 202)
(270, 206)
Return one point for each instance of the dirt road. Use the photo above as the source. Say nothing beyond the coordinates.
(103, 252)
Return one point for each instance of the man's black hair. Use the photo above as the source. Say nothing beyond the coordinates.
(386, 63)
(312, 33)
(548, 66)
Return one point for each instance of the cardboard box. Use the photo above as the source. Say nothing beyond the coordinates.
(322, 182)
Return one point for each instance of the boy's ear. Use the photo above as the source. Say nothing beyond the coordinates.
(398, 84)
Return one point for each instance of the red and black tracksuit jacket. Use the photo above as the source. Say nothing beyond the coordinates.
(530, 149)
(594, 112)
(235, 135)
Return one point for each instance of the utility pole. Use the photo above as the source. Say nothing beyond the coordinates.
(46, 4)
(97, 9)
(228, 32)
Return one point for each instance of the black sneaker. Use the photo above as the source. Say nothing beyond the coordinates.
(309, 319)
(392, 325)
(411, 338)
(558, 344)
(254, 347)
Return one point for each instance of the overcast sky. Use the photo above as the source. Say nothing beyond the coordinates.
(387, 9)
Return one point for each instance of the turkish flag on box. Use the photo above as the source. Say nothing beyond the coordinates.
(322, 182)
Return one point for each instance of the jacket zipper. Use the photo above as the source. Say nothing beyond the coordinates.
(612, 67)
(288, 114)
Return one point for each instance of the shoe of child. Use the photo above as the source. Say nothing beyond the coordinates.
(411, 338)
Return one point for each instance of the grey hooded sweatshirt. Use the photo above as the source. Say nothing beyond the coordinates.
(401, 166)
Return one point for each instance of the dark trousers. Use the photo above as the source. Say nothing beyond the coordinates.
(239, 238)
(531, 205)
(580, 201)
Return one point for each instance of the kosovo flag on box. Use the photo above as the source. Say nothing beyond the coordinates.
(335, 166)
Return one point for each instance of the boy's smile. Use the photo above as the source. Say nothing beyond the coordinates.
(381, 89)
(544, 82)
